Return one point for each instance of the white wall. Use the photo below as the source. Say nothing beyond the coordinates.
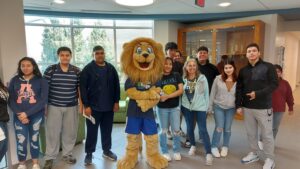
(270, 31)
(291, 58)
(166, 31)
(12, 48)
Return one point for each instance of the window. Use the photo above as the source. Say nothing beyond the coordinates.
(44, 35)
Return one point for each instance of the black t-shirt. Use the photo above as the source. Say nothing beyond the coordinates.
(169, 84)
(133, 109)
(177, 67)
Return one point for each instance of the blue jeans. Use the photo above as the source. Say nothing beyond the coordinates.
(3, 143)
(277, 116)
(201, 122)
(28, 133)
(223, 120)
(168, 116)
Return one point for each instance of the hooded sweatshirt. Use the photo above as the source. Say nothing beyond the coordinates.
(28, 96)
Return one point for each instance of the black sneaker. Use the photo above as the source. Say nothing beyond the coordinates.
(69, 159)
(110, 155)
(48, 164)
(88, 159)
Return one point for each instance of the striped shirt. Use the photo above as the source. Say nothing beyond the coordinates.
(63, 86)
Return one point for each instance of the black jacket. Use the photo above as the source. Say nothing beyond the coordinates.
(4, 117)
(260, 78)
(210, 71)
(91, 89)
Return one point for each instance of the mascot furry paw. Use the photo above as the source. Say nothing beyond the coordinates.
(142, 61)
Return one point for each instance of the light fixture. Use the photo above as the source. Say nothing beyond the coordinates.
(135, 2)
(59, 1)
(224, 4)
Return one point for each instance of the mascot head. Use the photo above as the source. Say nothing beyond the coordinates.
(142, 60)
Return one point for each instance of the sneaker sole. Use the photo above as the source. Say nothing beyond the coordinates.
(109, 157)
(248, 162)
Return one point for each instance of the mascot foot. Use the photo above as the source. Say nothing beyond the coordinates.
(154, 158)
(132, 151)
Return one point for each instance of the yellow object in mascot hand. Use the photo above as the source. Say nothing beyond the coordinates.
(142, 61)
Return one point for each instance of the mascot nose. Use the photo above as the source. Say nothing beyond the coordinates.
(145, 55)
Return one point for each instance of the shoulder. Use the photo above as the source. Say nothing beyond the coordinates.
(51, 68)
(75, 68)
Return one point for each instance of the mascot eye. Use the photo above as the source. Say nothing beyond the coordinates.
(150, 50)
(139, 50)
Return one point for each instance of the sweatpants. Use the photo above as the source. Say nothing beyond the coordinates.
(61, 121)
(105, 121)
(262, 119)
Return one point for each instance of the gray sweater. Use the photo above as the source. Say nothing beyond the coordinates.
(220, 95)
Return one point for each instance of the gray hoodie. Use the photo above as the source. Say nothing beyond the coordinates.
(221, 96)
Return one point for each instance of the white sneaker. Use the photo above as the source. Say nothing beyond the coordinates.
(167, 156)
(269, 164)
(224, 151)
(192, 150)
(209, 159)
(177, 156)
(215, 152)
(260, 145)
(251, 157)
(22, 166)
(36, 166)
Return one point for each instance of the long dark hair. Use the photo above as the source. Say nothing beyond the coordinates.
(36, 70)
(2, 86)
(224, 75)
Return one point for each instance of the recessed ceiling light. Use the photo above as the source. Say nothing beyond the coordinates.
(135, 2)
(224, 4)
(59, 1)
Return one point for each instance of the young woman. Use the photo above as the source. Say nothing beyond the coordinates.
(282, 95)
(4, 118)
(28, 97)
(168, 111)
(195, 100)
(222, 103)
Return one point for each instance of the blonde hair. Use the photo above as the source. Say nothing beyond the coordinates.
(185, 72)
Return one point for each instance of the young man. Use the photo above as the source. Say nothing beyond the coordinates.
(171, 49)
(100, 93)
(255, 85)
(209, 70)
(62, 114)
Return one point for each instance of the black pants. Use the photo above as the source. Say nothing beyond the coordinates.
(105, 121)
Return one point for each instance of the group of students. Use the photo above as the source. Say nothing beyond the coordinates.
(257, 91)
(193, 88)
(58, 96)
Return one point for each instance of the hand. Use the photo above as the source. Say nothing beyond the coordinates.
(22, 116)
(163, 98)
(291, 113)
(239, 111)
(251, 95)
(88, 111)
(116, 107)
(25, 121)
(80, 108)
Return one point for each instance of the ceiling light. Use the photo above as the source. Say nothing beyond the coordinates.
(135, 2)
(224, 4)
(59, 1)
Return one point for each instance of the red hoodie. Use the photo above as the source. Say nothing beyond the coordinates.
(283, 94)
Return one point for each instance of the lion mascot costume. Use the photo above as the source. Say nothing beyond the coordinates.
(142, 61)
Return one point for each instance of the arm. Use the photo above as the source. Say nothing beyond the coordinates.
(13, 97)
(43, 99)
(134, 94)
(117, 86)
(83, 86)
(239, 90)
(206, 93)
(273, 82)
(213, 93)
(289, 97)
